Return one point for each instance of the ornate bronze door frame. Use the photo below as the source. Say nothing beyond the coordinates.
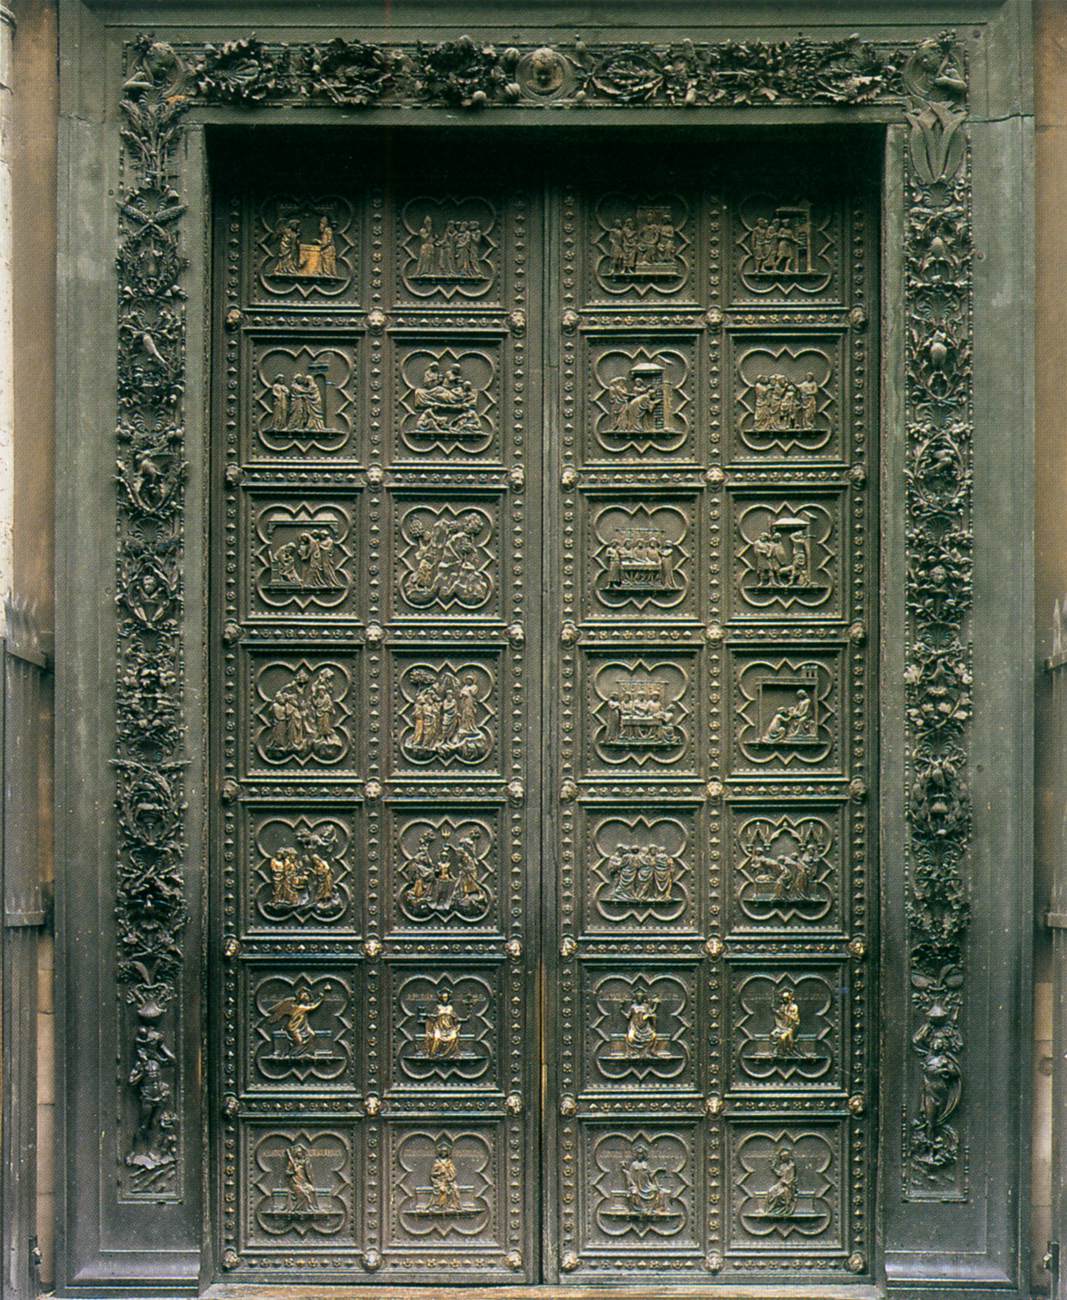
(143, 116)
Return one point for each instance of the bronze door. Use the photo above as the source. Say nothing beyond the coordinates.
(545, 875)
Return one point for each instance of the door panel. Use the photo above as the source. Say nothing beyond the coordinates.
(643, 633)
(710, 749)
(380, 686)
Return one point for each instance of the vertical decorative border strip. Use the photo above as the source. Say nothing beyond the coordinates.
(938, 673)
(924, 78)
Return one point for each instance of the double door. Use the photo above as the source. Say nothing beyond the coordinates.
(543, 876)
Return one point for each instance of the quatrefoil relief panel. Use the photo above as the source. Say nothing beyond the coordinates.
(639, 870)
(301, 709)
(786, 250)
(788, 1026)
(787, 553)
(304, 250)
(442, 1184)
(443, 868)
(789, 395)
(443, 1026)
(640, 555)
(301, 1180)
(447, 400)
(445, 713)
(786, 867)
(638, 399)
(786, 1191)
(448, 247)
(640, 1028)
(304, 399)
(788, 715)
(301, 1033)
(636, 1187)
(299, 865)
(640, 247)
(639, 712)
(302, 555)
(446, 557)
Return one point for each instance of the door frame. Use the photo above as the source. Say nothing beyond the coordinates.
(131, 816)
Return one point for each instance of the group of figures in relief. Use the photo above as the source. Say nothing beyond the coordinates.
(784, 405)
(302, 874)
(442, 877)
(446, 403)
(641, 873)
(314, 258)
(446, 563)
(640, 560)
(307, 564)
(299, 405)
(641, 716)
(445, 714)
(782, 244)
(453, 252)
(302, 714)
(643, 246)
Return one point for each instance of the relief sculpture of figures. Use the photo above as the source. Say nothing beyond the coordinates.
(445, 713)
(303, 1196)
(789, 874)
(292, 1014)
(785, 406)
(299, 406)
(643, 246)
(306, 564)
(640, 560)
(443, 879)
(780, 1200)
(441, 1033)
(304, 876)
(786, 1024)
(644, 1195)
(642, 1038)
(453, 253)
(641, 873)
(153, 1148)
(783, 554)
(641, 716)
(783, 244)
(446, 563)
(312, 259)
(302, 716)
(640, 402)
(445, 1196)
(446, 403)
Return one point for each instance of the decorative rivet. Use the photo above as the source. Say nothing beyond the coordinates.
(857, 318)
(857, 948)
(856, 1105)
(375, 632)
(570, 320)
(569, 1262)
(857, 790)
(517, 478)
(372, 1261)
(233, 475)
(372, 1104)
(713, 946)
(233, 318)
(856, 1263)
(858, 475)
(230, 1259)
(713, 1263)
(715, 789)
(372, 790)
(857, 633)
(513, 1104)
(714, 317)
(230, 1105)
(714, 1106)
(568, 1105)
(513, 1259)
(516, 634)
(372, 948)
(230, 947)
(714, 632)
(568, 947)
(375, 475)
(517, 321)
(568, 792)
(230, 790)
(513, 948)
(569, 477)
(568, 634)
(716, 476)
(231, 632)
(516, 791)
(376, 320)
